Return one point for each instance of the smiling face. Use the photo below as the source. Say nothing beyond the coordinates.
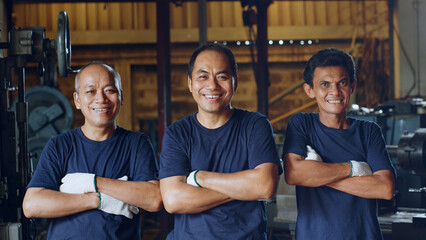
(98, 97)
(331, 89)
(212, 84)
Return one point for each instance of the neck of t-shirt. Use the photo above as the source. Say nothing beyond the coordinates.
(214, 120)
(98, 134)
(337, 121)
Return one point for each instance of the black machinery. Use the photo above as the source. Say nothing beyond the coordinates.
(411, 155)
(30, 120)
(404, 128)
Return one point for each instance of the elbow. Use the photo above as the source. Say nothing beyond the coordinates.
(170, 202)
(29, 208)
(268, 190)
(290, 175)
(290, 178)
(156, 202)
(389, 192)
(156, 205)
(172, 206)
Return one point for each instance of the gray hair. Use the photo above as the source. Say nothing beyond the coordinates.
(110, 69)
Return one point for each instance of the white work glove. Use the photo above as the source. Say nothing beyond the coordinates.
(359, 169)
(191, 179)
(311, 154)
(78, 183)
(112, 205)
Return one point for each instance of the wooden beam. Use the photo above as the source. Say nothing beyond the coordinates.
(215, 34)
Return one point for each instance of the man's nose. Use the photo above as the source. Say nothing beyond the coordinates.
(212, 83)
(334, 89)
(100, 96)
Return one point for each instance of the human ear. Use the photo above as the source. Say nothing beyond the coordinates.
(76, 100)
(189, 83)
(308, 90)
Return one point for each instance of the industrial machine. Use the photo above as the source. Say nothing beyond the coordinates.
(404, 128)
(30, 120)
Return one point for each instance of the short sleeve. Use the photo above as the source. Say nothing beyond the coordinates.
(173, 159)
(377, 154)
(261, 146)
(296, 137)
(146, 166)
(48, 172)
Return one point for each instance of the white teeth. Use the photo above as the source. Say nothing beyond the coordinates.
(212, 96)
(334, 101)
(100, 109)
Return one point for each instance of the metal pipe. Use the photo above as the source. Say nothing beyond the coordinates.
(286, 92)
(163, 67)
(262, 76)
(286, 115)
(391, 47)
(22, 117)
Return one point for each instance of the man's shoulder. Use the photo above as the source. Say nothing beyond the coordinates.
(182, 123)
(303, 117)
(246, 115)
(365, 124)
(67, 136)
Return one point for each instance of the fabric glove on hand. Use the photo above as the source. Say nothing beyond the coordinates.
(78, 183)
(311, 154)
(112, 205)
(191, 179)
(359, 169)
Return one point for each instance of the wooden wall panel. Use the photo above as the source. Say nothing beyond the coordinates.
(151, 16)
(321, 13)
(333, 13)
(108, 18)
(238, 15)
(117, 24)
(286, 13)
(213, 14)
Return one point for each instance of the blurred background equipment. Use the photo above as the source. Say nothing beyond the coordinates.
(32, 118)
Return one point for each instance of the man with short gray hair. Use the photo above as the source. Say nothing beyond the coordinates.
(92, 180)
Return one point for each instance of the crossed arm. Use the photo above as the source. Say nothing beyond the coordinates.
(46, 203)
(218, 188)
(379, 185)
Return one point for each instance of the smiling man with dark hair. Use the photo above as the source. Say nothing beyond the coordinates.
(218, 163)
(340, 165)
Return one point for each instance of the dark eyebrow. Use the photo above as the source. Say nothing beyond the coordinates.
(202, 71)
(344, 79)
(224, 71)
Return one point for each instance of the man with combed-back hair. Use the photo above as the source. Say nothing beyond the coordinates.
(92, 180)
(217, 164)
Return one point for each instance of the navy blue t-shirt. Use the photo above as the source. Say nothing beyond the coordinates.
(242, 143)
(125, 153)
(326, 213)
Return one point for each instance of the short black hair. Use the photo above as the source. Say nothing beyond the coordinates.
(329, 57)
(216, 47)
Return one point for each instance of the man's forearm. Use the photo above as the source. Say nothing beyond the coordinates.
(299, 171)
(248, 185)
(45, 203)
(380, 185)
(145, 195)
(180, 197)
